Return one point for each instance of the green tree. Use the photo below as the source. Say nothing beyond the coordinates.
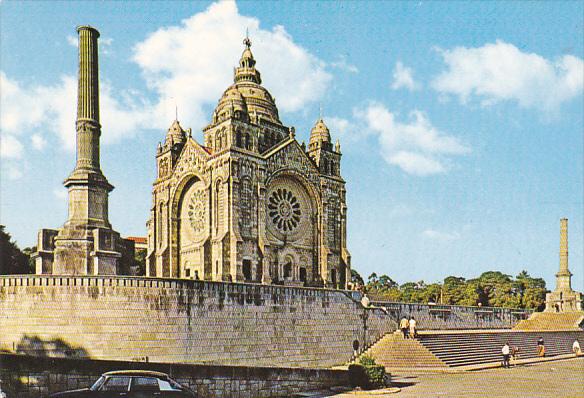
(12, 260)
(454, 288)
(531, 291)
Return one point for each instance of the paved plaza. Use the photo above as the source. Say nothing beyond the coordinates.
(552, 379)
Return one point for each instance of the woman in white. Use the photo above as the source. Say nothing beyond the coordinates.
(576, 348)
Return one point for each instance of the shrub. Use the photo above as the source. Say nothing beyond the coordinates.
(367, 360)
(367, 374)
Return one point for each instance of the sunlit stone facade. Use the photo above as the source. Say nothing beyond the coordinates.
(249, 203)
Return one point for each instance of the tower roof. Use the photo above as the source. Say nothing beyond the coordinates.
(246, 94)
(319, 133)
(175, 133)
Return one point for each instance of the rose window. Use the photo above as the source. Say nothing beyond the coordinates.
(284, 210)
(196, 211)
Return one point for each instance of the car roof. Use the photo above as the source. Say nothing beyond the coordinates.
(150, 373)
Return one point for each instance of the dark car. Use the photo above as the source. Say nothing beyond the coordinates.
(131, 384)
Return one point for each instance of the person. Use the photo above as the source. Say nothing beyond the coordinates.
(576, 348)
(506, 351)
(540, 347)
(515, 353)
(355, 348)
(412, 325)
(403, 325)
(365, 301)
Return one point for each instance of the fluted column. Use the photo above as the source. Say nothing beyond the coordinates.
(88, 127)
(564, 245)
(564, 276)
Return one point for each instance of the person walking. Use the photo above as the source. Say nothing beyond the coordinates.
(413, 331)
(540, 348)
(576, 348)
(506, 351)
(404, 324)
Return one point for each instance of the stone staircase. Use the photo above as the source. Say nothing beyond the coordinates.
(393, 351)
(480, 347)
(552, 321)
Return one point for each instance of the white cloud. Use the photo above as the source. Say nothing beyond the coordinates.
(38, 142)
(188, 65)
(54, 108)
(403, 78)
(342, 64)
(192, 64)
(13, 171)
(440, 236)
(10, 147)
(73, 41)
(416, 146)
(501, 72)
(60, 193)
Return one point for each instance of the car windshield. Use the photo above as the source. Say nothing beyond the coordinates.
(97, 384)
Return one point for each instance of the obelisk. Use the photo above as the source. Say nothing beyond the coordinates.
(87, 245)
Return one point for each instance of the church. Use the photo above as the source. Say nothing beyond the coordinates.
(250, 203)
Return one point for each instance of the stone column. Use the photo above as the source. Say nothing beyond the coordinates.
(87, 245)
(88, 127)
(564, 276)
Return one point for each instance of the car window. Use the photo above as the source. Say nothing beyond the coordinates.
(167, 386)
(97, 384)
(145, 384)
(116, 383)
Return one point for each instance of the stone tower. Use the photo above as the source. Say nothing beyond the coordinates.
(563, 298)
(86, 244)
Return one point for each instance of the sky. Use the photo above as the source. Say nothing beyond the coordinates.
(460, 123)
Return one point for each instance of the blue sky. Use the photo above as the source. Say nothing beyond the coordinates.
(460, 123)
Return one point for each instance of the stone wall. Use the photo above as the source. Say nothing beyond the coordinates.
(28, 377)
(445, 317)
(183, 321)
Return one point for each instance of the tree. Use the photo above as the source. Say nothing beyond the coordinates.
(12, 260)
(531, 291)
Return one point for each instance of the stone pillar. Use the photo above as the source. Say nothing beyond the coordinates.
(564, 276)
(87, 245)
(88, 127)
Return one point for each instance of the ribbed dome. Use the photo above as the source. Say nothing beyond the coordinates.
(247, 94)
(320, 133)
(230, 102)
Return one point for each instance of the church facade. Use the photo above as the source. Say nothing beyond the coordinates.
(250, 203)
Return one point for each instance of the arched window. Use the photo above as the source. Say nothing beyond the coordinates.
(216, 205)
(303, 275)
(238, 138)
(246, 209)
(333, 223)
(160, 224)
(247, 141)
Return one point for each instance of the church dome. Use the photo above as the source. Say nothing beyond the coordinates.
(319, 133)
(231, 102)
(247, 94)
